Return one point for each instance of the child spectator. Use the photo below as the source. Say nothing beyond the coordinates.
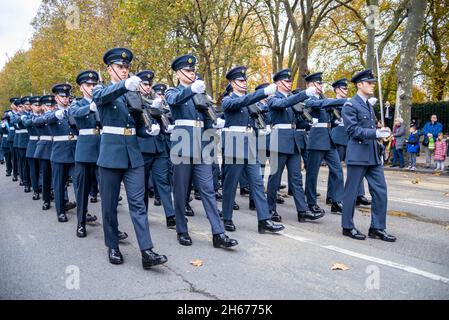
(440, 152)
(412, 148)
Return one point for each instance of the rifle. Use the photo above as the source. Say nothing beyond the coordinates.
(204, 104)
(256, 113)
(334, 111)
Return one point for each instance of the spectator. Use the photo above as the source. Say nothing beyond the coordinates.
(412, 148)
(398, 143)
(388, 114)
(431, 129)
(440, 152)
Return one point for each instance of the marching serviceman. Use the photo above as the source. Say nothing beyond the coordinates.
(284, 145)
(62, 158)
(120, 158)
(186, 153)
(87, 147)
(240, 130)
(15, 102)
(363, 160)
(320, 146)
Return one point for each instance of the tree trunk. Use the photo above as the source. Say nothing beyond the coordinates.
(371, 29)
(406, 70)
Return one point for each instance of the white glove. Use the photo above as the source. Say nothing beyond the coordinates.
(93, 107)
(22, 117)
(311, 91)
(271, 89)
(338, 122)
(198, 86)
(132, 84)
(372, 101)
(155, 129)
(157, 103)
(59, 114)
(220, 124)
(266, 131)
(382, 133)
(170, 128)
(314, 120)
(3, 125)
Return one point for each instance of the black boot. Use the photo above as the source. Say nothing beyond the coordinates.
(307, 215)
(269, 226)
(252, 205)
(362, 201)
(184, 239)
(229, 225)
(275, 216)
(223, 241)
(336, 207)
(122, 235)
(236, 206)
(46, 206)
(115, 256)
(151, 259)
(189, 211)
(171, 222)
(81, 231)
(62, 217)
(36, 196)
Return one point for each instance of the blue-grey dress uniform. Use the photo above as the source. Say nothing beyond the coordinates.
(363, 159)
(20, 143)
(155, 156)
(87, 148)
(44, 148)
(11, 134)
(285, 147)
(239, 134)
(33, 162)
(120, 160)
(5, 144)
(186, 152)
(62, 156)
(320, 146)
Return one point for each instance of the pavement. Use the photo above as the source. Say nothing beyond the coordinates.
(43, 259)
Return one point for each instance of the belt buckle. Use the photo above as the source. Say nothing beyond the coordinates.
(96, 131)
(128, 131)
(249, 129)
(293, 125)
(71, 137)
(198, 123)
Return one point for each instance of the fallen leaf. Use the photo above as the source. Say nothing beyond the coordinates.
(416, 181)
(446, 194)
(437, 174)
(196, 263)
(339, 266)
(397, 213)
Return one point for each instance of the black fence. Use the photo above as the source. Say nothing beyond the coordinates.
(421, 113)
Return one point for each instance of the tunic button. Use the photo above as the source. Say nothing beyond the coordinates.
(115, 107)
(127, 125)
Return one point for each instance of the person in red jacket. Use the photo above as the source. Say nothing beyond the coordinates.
(440, 152)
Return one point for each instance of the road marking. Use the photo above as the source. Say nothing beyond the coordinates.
(387, 263)
(420, 202)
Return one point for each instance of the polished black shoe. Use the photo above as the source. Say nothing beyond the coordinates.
(269, 226)
(93, 199)
(62, 217)
(36, 196)
(336, 207)
(316, 209)
(151, 193)
(275, 216)
(223, 241)
(189, 211)
(21, 184)
(52, 195)
(184, 239)
(236, 206)
(244, 191)
(120, 198)
(8, 174)
(229, 225)
(91, 218)
(307, 215)
(115, 256)
(46, 206)
(197, 195)
(279, 199)
(27, 189)
(354, 234)
(157, 202)
(14, 179)
(171, 222)
(362, 201)
(329, 201)
(218, 195)
(252, 205)
(70, 206)
(151, 258)
(122, 235)
(81, 231)
(381, 234)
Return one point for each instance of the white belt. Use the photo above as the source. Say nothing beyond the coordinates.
(34, 138)
(284, 126)
(341, 124)
(12, 129)
(46, 138)
(22, 131)
(321, 125)
(302, 130)
(89, 132)
(64, 138)
(119, 131)
(190, 123)
(238, 129)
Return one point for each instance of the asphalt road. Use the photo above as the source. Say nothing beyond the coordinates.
(43, 259)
